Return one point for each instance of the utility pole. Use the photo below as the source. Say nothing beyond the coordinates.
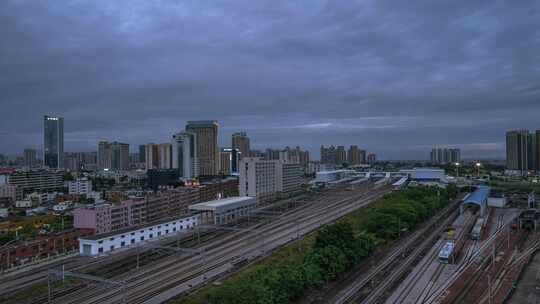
(49, 288)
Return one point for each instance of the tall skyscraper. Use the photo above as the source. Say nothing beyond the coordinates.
(240, 141)
(53, 142)
(207, 145)
(517, 150)
(184, 154)
(30, 159)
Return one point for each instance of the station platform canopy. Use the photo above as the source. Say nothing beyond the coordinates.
(479, 197)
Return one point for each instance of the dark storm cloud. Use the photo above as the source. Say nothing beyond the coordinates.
(394, 77)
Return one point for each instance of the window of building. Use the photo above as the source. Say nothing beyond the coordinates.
(100, 249)
(142, 238)
(167, 231)
(112, 247)
(151, 236)
(123, 244)
(159, 233)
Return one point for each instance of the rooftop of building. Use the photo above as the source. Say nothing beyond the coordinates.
(224, 202)
(101, 236)
(479, 196)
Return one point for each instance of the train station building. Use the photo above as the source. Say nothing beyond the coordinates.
(224, 211)
(108, 242)
(478, 198)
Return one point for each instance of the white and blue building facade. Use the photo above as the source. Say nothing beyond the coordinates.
(109, 242)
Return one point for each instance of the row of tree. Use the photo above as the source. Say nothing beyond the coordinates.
(337, 247)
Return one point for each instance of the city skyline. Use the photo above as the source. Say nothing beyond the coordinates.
(333, 73)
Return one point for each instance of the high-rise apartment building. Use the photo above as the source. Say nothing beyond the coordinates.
(165, 154)
(152, 156)
(328, 155)
(356, 156)
(518, 150)
(240, 141)
(341, 155)
(113, 156)
(207, 145)
(441, 156)
(142, 153)
(184, 154)
(30, 158)
(120, 156)
(53, 142)
(104, 155)
(371, 158)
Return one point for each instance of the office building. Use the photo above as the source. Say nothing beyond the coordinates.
(184, 155)
(442, 156)
(517, 151)
(229, 161)
(289, 177)
(268, 179)
(53, 142)
(30, 158)
(258, 178)
(240, 141)
(207, 145)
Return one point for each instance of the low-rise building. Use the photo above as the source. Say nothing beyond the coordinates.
(224, 211)
(99, 244)
(36, 180)
(80, 186)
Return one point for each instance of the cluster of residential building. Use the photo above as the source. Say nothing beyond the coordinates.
(443, 156)
(522, 152)
(353, 156)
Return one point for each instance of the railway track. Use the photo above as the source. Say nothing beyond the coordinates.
(413, 246)
(153, 281)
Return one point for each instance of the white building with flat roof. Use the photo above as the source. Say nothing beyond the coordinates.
(224, 211)
(109, 242)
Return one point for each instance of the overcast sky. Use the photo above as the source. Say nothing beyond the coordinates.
(394, 77)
